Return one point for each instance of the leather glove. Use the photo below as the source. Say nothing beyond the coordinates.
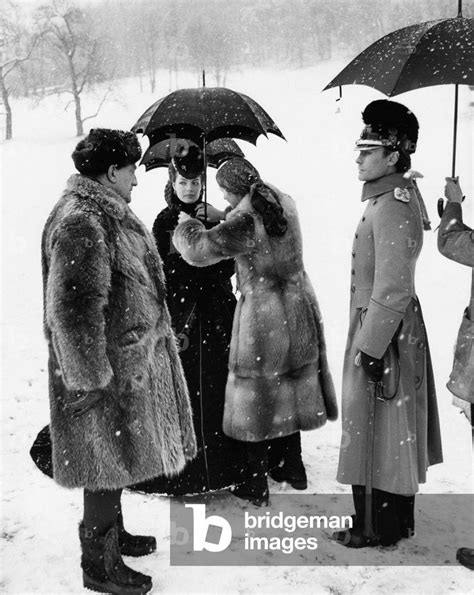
(84, 401)
(373, 367)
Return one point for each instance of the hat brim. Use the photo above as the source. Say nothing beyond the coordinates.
(368, 145)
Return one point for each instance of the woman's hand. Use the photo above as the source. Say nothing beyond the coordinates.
(182, 217)
(213, 214)
(452, 190)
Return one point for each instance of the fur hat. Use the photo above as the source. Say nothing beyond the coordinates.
(388, 124)
(189, 162)
(102, 148)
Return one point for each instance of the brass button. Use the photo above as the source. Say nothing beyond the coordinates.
(353, 288)
(353, 255)
(353, 272)
(363, 218)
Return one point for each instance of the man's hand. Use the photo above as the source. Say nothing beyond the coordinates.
(452, 190)
(373, 367)
(85, 400)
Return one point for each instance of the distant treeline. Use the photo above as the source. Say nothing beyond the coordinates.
(135, 38)
(63, 46)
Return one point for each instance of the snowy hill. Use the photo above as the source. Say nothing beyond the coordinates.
(40, 546)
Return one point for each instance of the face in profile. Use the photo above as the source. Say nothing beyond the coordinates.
(230, 197)
(373, 163)
(124, 181)
(188, 191)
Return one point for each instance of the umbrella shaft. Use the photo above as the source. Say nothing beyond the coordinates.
(204, 153)
(455, 130)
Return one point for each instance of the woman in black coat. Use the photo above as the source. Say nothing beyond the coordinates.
(202, 304)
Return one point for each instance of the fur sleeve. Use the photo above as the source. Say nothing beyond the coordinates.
(455, 239)
(78, 284)
(201, 247)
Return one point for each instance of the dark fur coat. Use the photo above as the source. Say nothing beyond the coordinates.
(279, 380)
(201, 304)
(108, 327)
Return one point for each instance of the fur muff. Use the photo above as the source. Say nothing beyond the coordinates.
(279, 380)
(108, 327)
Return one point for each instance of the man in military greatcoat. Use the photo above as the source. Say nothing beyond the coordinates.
(389, 412)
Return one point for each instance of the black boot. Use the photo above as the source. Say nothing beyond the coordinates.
(465, 556)
(103, 569)
(292, 470)
(255, 486)
(133, 545)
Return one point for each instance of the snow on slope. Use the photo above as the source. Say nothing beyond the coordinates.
(40, 546)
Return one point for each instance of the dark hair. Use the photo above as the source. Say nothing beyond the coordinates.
(271, 211)
(404, 160)
(173, 173)
(240, 177)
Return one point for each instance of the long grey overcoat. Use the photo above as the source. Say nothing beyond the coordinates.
(108, 327)
(384, 305)
(279, 380)
(456, 241)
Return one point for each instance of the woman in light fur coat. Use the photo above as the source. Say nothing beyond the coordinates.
(279, 381)
(120, 409)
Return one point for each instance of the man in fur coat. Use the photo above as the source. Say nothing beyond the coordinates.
(120, 411)
(389, 412)
(456, 241)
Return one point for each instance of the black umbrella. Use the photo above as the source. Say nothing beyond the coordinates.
(217, 151)
(205, 114)
(431, 53)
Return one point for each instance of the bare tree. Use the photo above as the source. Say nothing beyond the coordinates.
(16, 47)
(70, 32)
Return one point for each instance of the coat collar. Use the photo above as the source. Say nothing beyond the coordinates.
(244, 205)
(383, 185)
(106, 198)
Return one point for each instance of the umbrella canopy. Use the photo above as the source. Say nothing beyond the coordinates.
(218, 151)
(431, 53)
(205, 114)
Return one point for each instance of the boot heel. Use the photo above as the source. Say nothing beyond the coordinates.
(299, 484)
(109, 587)
(92, 585)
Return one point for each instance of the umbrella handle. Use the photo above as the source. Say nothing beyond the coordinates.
(440, 207)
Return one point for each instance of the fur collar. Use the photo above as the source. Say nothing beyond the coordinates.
(106, 198)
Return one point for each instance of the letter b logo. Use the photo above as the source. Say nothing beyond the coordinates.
(201, 526)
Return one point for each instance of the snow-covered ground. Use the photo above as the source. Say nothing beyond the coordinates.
(40, 548)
